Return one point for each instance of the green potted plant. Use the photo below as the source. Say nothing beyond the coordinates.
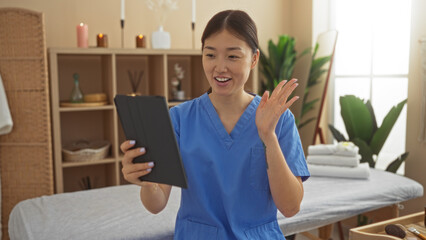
(279, 63)
(361, 127)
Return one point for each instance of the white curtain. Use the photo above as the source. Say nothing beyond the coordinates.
(422, 133)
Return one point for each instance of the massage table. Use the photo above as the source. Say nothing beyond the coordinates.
(117, 213)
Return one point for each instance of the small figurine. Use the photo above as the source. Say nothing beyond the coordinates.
(178, 93)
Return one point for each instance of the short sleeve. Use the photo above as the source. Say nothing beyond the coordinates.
(291, 146)
(174, 116)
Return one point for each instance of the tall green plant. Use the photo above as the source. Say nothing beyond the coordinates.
(315, 73)
(279, 63)
(361, 127)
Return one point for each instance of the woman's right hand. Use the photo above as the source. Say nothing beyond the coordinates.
(133, 171)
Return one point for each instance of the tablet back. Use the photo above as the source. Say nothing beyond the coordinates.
(146, 120)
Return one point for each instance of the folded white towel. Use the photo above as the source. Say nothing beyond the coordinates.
(5, 117)
(334, 160)
(362, 171)
(340, 149)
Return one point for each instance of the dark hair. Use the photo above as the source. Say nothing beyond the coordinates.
(236, 22)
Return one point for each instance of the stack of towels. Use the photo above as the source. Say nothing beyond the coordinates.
(336, 160)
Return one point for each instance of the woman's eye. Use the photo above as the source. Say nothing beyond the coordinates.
(209, 55)
(233, 57)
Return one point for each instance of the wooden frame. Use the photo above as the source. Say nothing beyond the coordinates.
(376, 231)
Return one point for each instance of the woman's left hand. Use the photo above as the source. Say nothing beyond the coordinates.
(271, 108)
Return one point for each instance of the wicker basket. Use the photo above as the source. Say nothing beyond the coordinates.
(84, 151)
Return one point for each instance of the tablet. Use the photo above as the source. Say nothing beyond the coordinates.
(146, 120)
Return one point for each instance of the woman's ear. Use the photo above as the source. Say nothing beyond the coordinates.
(255, 59)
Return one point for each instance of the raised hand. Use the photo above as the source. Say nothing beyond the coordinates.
(272, 107)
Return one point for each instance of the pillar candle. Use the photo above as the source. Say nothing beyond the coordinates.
(102, 40)
(140, 41)
(82, 35)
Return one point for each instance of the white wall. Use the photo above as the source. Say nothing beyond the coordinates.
(415, 166)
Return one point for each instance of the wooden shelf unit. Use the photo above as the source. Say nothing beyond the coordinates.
(105, 70)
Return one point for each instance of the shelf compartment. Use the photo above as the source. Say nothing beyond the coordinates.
(152, 82)
(95, 73)
(88, 126)
(100, 175)
(194, 83)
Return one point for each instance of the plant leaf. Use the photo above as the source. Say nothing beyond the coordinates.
(373, 116)
(279, 64)
(336, 134)
(276, 82)
(308, 106)
(306, 51)
(364, 151)
(274, 57)
(393, 166)
(299, 126)
(356, 117)
(384, 130)
(315, 51)
(296, 120)
(314, 78)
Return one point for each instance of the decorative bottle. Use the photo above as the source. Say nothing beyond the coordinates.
(76, 94)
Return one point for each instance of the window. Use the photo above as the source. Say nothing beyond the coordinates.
(371, 62)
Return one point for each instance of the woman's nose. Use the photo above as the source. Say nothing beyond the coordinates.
(221, 66)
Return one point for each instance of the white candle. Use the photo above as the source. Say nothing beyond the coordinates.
(122, 9)
(193, 11)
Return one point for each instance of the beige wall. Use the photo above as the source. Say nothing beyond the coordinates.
(301, 23)
(103, 16)
(415, 166)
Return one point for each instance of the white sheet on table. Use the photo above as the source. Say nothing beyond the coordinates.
(116, 212)
(106, 213)
(329, 200)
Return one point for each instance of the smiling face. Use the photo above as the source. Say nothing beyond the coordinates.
(227, 61)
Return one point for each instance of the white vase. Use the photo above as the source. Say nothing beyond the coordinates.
(180, 95)
(160, 39)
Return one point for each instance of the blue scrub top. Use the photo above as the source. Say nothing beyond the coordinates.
(228, 195)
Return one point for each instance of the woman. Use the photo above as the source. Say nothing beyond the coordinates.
(242, 153)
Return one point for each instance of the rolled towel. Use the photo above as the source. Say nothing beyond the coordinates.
(360, 172)
(340, 149)
(334, 160)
